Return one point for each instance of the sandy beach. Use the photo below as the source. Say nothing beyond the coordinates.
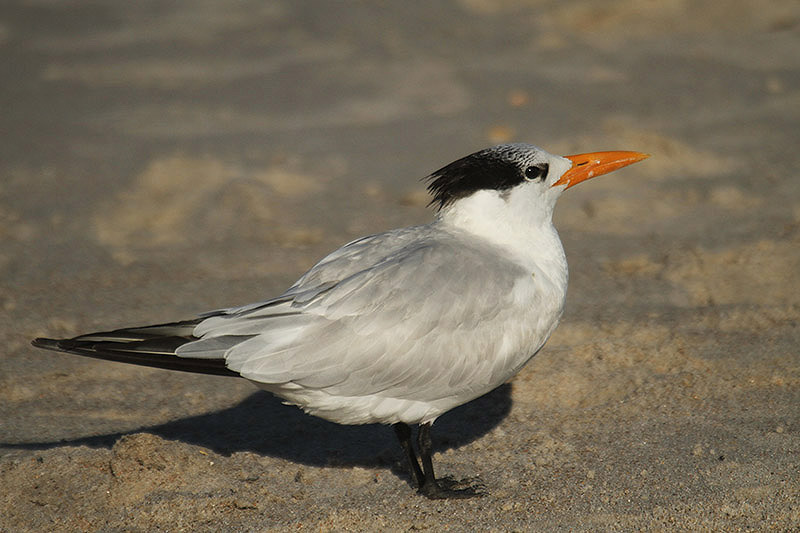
(162, 159)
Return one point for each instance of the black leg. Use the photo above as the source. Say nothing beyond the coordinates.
(403, 433)
(424, 477)
(425, 444)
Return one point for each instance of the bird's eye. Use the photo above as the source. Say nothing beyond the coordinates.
(536, 172)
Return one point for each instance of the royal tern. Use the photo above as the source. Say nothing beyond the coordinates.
(399, 327)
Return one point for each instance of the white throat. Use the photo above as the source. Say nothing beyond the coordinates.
(520, 221)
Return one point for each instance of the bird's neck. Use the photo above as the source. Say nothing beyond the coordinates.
(526, 232)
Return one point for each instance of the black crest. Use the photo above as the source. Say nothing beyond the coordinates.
(497, 168)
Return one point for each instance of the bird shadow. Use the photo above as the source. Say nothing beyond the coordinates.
(263, 425)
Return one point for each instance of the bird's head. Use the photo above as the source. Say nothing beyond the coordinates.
(520, 174)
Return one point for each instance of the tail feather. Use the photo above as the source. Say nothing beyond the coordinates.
(152, 346)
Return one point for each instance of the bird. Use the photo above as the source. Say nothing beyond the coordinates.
(399, 327)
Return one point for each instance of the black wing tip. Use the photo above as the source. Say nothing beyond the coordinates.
(47, 344)
(109, 351)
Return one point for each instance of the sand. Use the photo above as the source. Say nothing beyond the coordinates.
(160, 159)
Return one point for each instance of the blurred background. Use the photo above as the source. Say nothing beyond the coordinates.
(159, 159)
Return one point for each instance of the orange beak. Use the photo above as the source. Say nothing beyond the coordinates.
(585, 166)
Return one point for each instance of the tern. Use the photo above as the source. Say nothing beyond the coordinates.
(399, 327)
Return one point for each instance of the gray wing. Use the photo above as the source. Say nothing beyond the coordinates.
(406, 314)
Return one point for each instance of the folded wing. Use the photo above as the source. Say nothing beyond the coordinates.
(390, 315)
